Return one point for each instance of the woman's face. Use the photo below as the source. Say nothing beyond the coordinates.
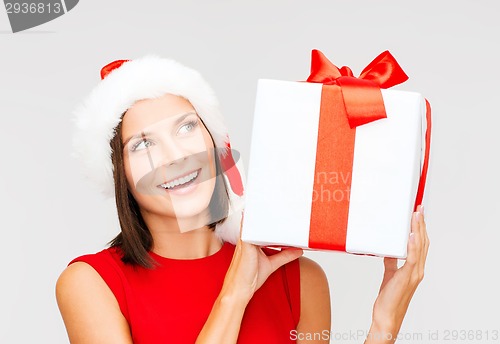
(169, 158)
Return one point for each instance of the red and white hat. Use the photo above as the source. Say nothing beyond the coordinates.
(123, 83)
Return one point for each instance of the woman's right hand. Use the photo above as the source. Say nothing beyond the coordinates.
(250, 267)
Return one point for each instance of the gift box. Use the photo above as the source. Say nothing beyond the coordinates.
(337, 162)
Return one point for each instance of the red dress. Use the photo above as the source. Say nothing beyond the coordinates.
(171, 303)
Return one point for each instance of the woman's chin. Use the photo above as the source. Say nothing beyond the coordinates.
(190, 221)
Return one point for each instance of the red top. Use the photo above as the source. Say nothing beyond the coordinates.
(170, 304)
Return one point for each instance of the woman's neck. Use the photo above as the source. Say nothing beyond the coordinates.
(186, 239)
(197, 243)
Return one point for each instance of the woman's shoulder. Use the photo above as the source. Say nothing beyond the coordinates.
(107, 263)
(311, 270)
(87, 298)
(84, 275)
(94, 273)
(313, 281)
(105, 255)
(79, 273)
(98, 267)
(315, 296)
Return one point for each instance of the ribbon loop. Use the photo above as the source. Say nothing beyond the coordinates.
(346, 71)
(385, 71)
(362, 96)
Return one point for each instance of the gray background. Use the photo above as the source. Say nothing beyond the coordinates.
(49, 214)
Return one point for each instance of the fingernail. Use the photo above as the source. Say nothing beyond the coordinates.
(417, 216)
(412, 237)
(422, 209)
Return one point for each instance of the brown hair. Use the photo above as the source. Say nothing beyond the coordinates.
(135, 239)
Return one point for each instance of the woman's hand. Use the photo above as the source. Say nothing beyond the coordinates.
(399, 285)
(250, 267)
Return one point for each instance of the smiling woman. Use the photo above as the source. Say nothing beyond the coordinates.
(151, 135)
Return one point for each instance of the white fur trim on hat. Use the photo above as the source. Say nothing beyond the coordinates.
(145, 78)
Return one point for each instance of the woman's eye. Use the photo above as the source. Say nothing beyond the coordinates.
(141, 145)
(185, 128)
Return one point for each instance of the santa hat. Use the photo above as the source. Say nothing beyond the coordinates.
(123, 83)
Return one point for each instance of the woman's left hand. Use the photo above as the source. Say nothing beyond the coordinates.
(399, 285)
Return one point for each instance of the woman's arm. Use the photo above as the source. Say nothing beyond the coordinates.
(249, 269)
(89, 309)
(399, 285)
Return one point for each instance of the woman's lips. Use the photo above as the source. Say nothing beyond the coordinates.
(182, 184)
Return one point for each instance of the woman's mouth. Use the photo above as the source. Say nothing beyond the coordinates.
(181, 182)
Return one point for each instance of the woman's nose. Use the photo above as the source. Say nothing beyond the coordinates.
(172, 153)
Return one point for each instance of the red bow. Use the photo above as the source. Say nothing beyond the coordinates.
(362, 97)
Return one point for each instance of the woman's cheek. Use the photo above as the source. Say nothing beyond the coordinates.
(138, 171)
(142, 172)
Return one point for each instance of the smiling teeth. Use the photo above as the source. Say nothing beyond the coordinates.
(180, 181)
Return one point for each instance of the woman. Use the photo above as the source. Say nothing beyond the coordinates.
(151, 133)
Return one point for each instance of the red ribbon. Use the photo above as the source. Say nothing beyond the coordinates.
(425, 166)
(362, 98)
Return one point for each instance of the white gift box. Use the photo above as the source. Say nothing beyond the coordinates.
(377, 196)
